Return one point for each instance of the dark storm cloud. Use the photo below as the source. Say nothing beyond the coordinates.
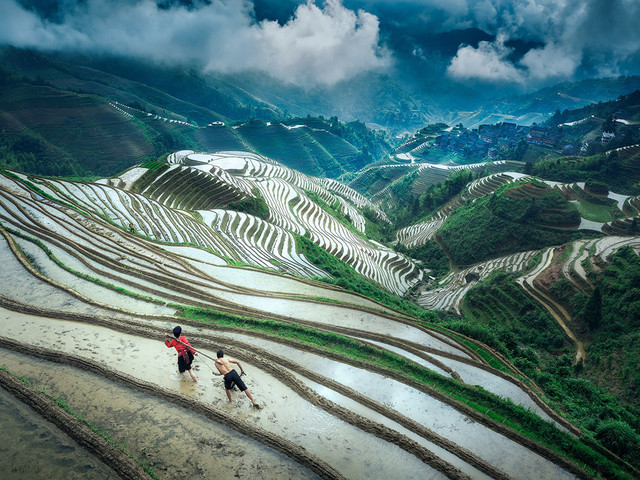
(566, 38)
(522, 43)
(317, 44)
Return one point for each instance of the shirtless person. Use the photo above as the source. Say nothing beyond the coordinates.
(231, 376)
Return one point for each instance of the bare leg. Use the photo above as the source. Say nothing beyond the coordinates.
(248, 393)
(228, 394)
(193, 375)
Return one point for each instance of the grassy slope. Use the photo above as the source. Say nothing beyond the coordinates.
(593, 395)
(615, 341)
(512, 219)
(83, 126)
(619, 170)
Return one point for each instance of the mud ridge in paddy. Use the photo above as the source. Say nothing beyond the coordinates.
(284, 446)
(145, 330)
(126, 467)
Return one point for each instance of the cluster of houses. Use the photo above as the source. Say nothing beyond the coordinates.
(487, 139)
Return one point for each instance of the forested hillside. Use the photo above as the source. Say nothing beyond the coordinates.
(54, 131)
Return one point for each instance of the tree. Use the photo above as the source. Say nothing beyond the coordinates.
(592, 312)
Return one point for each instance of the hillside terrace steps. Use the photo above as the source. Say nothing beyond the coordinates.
(559, 313)
(198, 234)
(632, 207)
(572, 267)
(174, 286)
(450, 295)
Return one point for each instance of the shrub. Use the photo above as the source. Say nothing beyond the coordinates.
(617, 436)
(596, 187)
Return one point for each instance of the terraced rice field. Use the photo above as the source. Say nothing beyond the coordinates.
(450, 294)
(292, 210)
(84, 304)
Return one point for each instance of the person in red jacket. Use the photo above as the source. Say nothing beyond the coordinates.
(185, 352)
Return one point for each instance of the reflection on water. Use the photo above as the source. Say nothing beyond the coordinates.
(176, 443)
(30, 447)
(353, 452)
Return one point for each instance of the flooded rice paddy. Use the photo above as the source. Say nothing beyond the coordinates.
(352, 451)
(507, 455)
(31, 447)
(173, 441)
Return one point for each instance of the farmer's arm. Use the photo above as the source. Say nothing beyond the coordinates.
(237, 363)
(169, 343)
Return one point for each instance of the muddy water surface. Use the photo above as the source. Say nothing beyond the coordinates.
(376, 417)
(87, 288)
(353, 452)
(174, 442)
(495, 384)
(476, 376)
(344, 317)
(505, 454)
(254, 279)
(18, 284)
(31, 447)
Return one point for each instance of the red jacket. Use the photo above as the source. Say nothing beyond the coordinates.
(179, 347)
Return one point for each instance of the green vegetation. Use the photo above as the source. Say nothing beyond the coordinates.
(597, 212)
(28, 152)
(430, 255)
(596, 187)
(345, 276)
(615, 331)
(511, 317)
(618, 437)
(155, 168)
(253, 205)
(620, 171)
(376, 228)
(38, 190)
(411, 208)
(100, 431)
(514, 218)
(500, 314)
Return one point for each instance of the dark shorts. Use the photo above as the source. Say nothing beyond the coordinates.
(231, 378)
(182, 366)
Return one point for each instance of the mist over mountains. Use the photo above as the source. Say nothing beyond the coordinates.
(414, 61)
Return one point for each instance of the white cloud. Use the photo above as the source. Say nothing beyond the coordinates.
(316, 46)
(551, 61)
(486, 63)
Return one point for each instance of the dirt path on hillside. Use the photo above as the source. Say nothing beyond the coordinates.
(556, 310)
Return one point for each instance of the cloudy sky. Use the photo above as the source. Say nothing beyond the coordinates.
(522, 44)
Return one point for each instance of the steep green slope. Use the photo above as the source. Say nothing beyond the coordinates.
(59, 132)
(620, 170)
(87, 134)
(515, 218)
(499, 313)
(614, 326)
(570, 95)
